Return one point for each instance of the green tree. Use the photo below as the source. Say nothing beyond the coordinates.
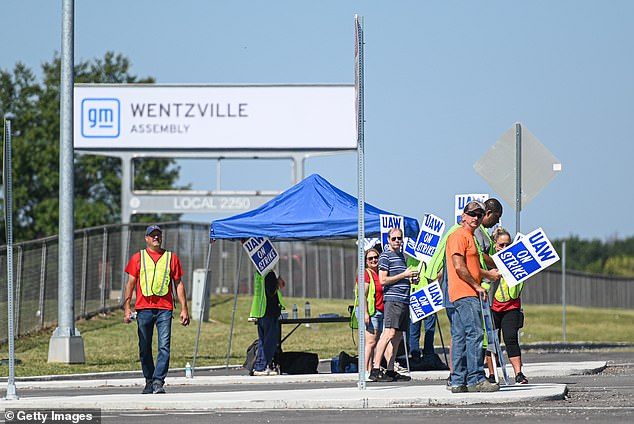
(35, 153)
(610, 257)
(582, 255)
(621, 265)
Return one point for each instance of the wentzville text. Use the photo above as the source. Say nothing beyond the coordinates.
(181, 111)
(189, 110)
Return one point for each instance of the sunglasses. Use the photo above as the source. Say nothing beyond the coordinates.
(478, 215)
(155, 236)
(396, 238)
(373, 258)
(504, 244)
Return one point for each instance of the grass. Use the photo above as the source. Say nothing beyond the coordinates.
(110, 345)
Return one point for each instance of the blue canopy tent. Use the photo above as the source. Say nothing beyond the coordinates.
(312, 209)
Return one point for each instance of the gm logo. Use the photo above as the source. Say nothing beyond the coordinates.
(100, 118)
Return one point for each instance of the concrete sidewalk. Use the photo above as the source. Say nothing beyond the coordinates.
(376, 395)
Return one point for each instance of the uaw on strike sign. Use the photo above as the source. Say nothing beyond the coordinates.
(262, 254)
(525, 257)
(425, 302)
(424, 247)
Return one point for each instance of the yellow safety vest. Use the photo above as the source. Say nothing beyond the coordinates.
(371, 295)
(158, 283)
(258, 305)
(504, 293)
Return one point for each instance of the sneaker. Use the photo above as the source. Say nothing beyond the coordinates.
(398, 367)
(484, 386)
(272, 371)
(492, 379)
(396, 376)
(264, 372)
(520, 378)
(459, 389)
(448, 386)
(148, 388)
(157, 388)
(377, 375)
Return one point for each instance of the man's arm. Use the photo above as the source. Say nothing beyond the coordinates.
(460, 264)
(491, 274)
(281, 283)
(182, 299)
(127, 298)
(488, 260)
(387, 280)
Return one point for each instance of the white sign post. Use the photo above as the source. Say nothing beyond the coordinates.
(262, 253)
(525, 257)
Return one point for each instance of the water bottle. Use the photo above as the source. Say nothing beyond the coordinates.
(295, 311)
(307, 309)
(188, 370)
(132, 316)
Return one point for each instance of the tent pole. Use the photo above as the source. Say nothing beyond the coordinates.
(235, 300)
(203, 305)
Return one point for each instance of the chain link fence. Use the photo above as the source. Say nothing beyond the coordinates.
(315, 269)
(311, 270)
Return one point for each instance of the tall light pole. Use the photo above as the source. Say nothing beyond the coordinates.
(66, 344)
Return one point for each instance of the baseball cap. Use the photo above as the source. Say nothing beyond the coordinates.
(151, 228)
(474, 205)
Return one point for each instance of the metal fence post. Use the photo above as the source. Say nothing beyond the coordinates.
(104, 270)
(84, 275)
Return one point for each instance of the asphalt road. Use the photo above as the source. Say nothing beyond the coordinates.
(607, 397)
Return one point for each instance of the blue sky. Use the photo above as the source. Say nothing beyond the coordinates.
(443, 81)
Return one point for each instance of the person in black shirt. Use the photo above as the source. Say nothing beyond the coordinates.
(268, 325)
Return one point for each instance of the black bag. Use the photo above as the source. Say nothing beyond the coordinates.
(252, 355)
(298, 362)
(348, 363)
(252, 352)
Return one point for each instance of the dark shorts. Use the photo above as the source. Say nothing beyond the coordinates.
(396, 315)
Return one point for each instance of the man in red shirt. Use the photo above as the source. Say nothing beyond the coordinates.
(153, 271)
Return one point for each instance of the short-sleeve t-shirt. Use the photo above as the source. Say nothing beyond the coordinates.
(154, 302)
(394, 264)
(461, 242)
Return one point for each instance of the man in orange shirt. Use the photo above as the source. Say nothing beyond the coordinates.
(464, 278)
(152, 271)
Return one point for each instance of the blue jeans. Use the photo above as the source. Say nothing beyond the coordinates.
(467, 356)
(414, 336)
(376, 322)
(268, 340)
(146, 319)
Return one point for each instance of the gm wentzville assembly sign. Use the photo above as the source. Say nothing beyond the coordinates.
(122, 117)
